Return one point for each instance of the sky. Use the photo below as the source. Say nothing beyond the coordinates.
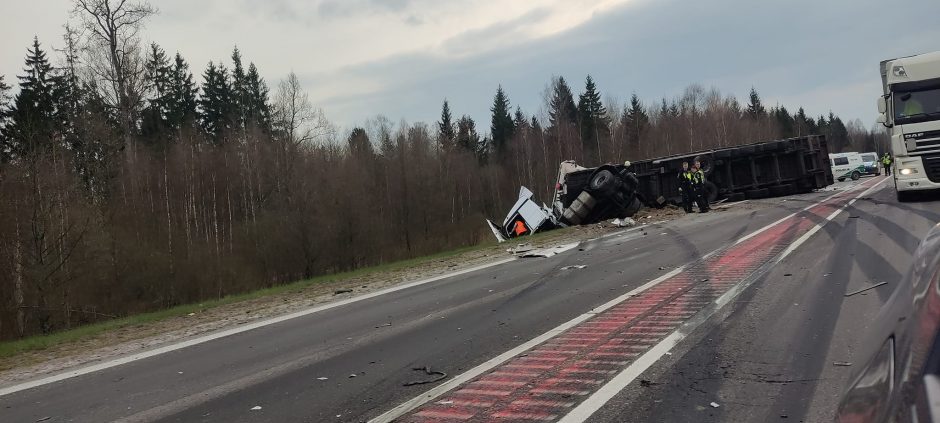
(402, 58)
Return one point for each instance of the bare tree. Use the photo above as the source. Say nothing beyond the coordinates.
(112, 27)
(295, 115)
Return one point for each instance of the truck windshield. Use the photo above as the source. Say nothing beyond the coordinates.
(917, 106)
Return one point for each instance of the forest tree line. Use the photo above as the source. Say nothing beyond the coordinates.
(129, 184)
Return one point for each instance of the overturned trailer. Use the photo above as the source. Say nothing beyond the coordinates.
(753, 171)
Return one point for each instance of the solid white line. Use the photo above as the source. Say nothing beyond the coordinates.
(492, 363)
(584, 410)
(229, 332)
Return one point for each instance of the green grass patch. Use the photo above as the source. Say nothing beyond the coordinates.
(42, 342)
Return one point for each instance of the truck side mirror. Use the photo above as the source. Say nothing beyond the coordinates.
(882, 119)
(882, 105)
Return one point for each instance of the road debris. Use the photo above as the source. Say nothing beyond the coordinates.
(623, 223)
(573, 267)
(647, 384)
(383, 326)
(866, 289)
(256, 408)
(542, 252)
(342, 291)
(352, 375)
(714, 405)
(842, 364)
(44, 419)
(427, 370)
(323, 378)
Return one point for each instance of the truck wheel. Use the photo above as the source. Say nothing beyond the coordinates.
(905, 196)
(579, 209)
(603, 182)
(856, 175)
(588, 200)
(632, 209)
(571, 217)
(756, 194)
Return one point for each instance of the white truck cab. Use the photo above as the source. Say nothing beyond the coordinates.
(910, 107)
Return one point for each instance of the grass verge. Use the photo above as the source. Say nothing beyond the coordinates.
(43, 342)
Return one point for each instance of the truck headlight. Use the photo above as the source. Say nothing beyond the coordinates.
(908, 171)
(899, 71)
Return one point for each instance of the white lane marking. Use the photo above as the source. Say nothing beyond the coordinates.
(584, 410)
(229, 332)
(492, 363)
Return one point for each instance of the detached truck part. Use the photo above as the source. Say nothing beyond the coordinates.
(910, 108)
(584, 196)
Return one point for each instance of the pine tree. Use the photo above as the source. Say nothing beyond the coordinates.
(802, 124)
(502, 126)
(592, 116)
(258, 112)
(241, 97)
(215, 104)
(446, 135)
(562, 110)
(155, 124)
(34, 118)
(359, 145)
(838, 133)
(636, 122)
(467, 137)
(755, 109)
(519, 120)
(182, 109)
(4, 111)
(785, 122)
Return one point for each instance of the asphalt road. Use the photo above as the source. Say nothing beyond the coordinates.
(767, 354)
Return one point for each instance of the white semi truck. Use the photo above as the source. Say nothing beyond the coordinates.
(910, 108)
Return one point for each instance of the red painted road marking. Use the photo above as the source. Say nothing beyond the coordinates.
(602, 346)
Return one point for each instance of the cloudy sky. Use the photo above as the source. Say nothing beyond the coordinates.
(401, 58)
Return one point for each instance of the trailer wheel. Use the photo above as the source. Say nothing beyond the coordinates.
(782, 190)
(711, 192)
(603, 182)
(735, 197)
(856, 175)
(586, 199)
(756, 194)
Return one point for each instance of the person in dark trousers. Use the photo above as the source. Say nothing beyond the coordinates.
(685, 187)
(698, 187)
(886, 161)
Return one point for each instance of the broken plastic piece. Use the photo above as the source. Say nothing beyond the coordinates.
(842, 364)
(866, 289)
(573, 267)
(714, 405)
(256, 408)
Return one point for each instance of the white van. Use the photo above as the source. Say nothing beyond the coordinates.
(847, 166)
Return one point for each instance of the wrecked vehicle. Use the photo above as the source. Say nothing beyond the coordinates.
(582, 196)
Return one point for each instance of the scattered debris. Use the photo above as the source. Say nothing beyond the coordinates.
(179, 373)
(647, 384)
(191, 314)
(788, 274)
(256, 408)
(854, 217)
(842, 364)
(323, 378)
(714, 405)
(662, 268)
(383, 326)
(352, 375)
(866, 289)
(623, 223)
(342, 291)
(545, 252)
(44, 419)
(445, 402)
(573, 267)
(427, 370)
(520, 248)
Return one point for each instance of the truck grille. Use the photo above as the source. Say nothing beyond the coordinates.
(932, 167)
(924, 142)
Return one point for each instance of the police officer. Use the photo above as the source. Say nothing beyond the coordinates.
(685, 187)
(698, 187)
(886, 162)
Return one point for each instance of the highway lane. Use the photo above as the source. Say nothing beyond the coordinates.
(450, 325)
(770, 356)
